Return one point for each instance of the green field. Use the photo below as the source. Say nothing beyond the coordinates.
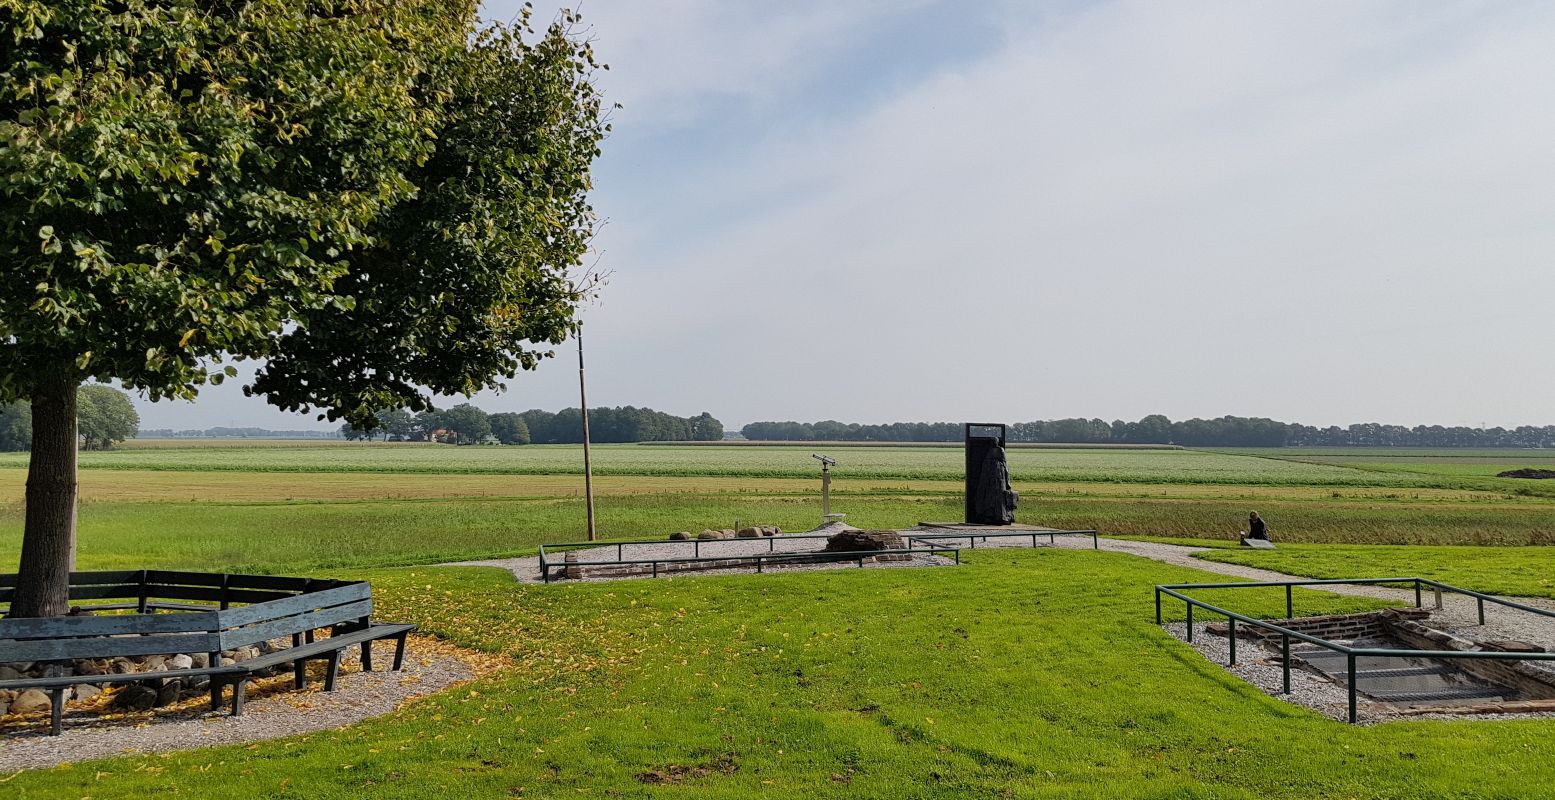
(924, 463)
(197, 505)
(1022, 674)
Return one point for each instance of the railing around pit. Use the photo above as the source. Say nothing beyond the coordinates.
(983, 536)
(549, 564)
(1351, 653)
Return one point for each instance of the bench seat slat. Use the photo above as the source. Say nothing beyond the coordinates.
(376, 631)
(128, 677)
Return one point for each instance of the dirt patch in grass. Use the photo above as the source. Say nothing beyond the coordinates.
(722, 764)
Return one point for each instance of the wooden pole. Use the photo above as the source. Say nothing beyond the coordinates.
(588, 465)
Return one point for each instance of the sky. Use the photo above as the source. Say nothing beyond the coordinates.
(1321, 212)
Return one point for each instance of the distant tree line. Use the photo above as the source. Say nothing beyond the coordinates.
(1157, 429)
(104, 417)
(466, 424)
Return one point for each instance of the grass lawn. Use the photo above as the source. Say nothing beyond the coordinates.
(1021, 674)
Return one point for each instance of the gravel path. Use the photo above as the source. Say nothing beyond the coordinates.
(527, 569)
(271, 710)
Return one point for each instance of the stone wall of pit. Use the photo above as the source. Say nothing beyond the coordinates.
(1532, 682)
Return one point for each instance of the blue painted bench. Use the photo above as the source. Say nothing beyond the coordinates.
(173, 612)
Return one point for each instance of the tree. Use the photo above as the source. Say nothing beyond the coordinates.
(105, 416)
(706, 428)
(468, 424)
(396, 422)
(509, 428)
(16, 426)
(376, 198)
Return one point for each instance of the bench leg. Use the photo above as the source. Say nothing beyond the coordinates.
(300, 673)
(332, 671)
(367, 656)
(237, 695)
(216, 685)
(399, 651)
(57, 712)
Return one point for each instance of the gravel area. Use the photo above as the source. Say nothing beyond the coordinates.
(527, 569)
(1261, 667)
(271, 709)
(1453, 613)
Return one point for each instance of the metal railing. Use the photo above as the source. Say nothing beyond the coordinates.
(974, 537)
(760, 560)
(1350, 653)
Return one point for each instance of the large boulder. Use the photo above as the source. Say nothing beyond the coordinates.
(854, 541)
(680, 536)
(168, 694)
(31, 700)
(710, 534)
(135, 697)
(749, 533)
(771, 530)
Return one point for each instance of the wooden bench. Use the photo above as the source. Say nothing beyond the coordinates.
(278, 607)
(321, 649)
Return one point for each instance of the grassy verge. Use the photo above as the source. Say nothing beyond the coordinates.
(1521, 571)
(819, 685)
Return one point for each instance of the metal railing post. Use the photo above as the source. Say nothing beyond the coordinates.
(1285, 659)
(1095, 542)
(1158, 605)
(1190, 621)
(1350, 658)
(1481, 602)
(1418, 602)
(1290, 607)
(1231, 627)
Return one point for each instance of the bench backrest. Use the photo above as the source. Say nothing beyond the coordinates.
(278, 606)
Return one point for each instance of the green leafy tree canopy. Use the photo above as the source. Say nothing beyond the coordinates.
(381, 199)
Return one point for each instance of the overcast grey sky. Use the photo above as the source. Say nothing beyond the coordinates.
(1323, 212)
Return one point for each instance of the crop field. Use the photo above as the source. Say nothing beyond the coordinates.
(907, 463)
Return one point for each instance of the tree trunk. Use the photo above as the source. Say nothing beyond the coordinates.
(49, 541)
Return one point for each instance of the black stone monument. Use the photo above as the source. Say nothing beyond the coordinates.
(989, 498)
